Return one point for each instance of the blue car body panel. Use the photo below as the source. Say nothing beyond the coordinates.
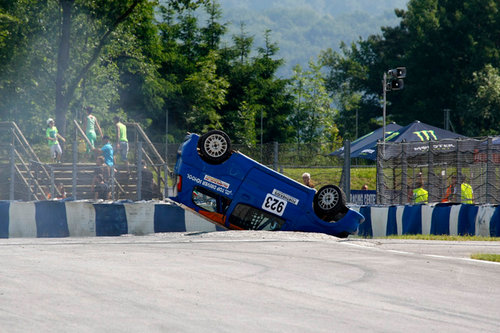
(242, 180)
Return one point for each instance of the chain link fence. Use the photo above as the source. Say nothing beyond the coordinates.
(400, 168)
(436, 164)
(35, 176)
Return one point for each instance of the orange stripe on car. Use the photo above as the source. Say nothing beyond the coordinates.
(216, 217)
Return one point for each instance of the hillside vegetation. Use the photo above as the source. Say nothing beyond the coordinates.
(303, 29)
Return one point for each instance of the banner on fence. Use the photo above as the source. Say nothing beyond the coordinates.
(363, 197)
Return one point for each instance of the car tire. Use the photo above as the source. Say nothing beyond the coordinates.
(329, 201)
(214, 147)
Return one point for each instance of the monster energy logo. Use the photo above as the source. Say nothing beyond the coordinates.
(391, 135)
(426, 135)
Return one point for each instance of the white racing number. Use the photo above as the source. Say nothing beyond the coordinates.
(274, 204)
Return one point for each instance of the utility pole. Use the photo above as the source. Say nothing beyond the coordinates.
(446, 119)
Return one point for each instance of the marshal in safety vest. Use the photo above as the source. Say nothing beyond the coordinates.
(420, 195)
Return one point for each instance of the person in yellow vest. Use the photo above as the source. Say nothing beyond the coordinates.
(53, 136)
(420, 195)
(121, 140)
(466, 192)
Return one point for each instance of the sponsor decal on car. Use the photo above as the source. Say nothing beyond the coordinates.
(286, 197)
(216, 181)
(212, 183)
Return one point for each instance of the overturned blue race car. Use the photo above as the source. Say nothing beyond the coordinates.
(237, 192)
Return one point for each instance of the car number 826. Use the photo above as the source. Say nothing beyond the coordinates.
(274, 204)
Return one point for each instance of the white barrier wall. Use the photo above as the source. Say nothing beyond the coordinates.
(82, 218)
(440, 219)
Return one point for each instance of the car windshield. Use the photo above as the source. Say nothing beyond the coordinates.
(247, 217)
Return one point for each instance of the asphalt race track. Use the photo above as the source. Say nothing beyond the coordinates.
(245, 281)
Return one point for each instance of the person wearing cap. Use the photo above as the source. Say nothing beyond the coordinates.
(52, 139)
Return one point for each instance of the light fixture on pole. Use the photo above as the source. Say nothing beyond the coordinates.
(396, 82)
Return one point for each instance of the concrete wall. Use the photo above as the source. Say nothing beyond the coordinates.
(86, 219)
(82, 218)
(440, 219)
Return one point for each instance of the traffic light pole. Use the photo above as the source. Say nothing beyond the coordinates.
(396, 83)
(384, 88)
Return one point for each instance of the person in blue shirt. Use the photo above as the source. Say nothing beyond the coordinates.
(106, 151)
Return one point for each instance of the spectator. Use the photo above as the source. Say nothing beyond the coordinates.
(466, 192)
(106, 151)
(364, 187)
(306, 178)
(101, 189)
(46, 191)
(52, 137)
(101, 169)
(420, 195)
(61, 191)
(147, 184)
(90, 123)
(121, 141)
(451, 190)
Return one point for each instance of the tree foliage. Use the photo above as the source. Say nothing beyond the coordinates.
(170, 62)
(443, 44)
(142, 60)
(313, 117)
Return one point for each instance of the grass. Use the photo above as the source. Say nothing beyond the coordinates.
(486, 257)
(477, 256)
(465, 238)
(325, 176)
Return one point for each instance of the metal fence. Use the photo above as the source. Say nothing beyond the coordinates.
(401, 166)
(26, 179)
(33, 176)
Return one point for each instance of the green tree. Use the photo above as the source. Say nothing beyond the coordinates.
(484, 103)
(107, 17)
(238, 115)
(442, 45)
(206, 91)
(313, 119)
(63, 54)
(26, 80)
(271, 95)
(189, 68)
(352, 88)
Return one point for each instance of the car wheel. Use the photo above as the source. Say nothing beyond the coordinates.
(214, 147)
(329, 201)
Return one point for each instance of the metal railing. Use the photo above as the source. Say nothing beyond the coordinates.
(19, 154)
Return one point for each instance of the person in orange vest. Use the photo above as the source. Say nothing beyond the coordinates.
(466, 192)
(450, 195)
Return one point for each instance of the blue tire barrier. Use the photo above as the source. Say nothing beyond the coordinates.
(87, 219)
